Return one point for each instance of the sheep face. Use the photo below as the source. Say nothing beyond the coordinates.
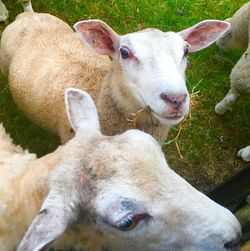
(155, 72)
(151, 207)
(121, 193)
(152, 65)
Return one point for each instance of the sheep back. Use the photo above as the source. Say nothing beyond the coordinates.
(55, 59)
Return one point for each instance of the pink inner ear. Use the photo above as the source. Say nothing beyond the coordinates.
(101, 39)
(205, 33)
(98, 37)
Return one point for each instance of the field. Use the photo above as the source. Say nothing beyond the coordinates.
(203, 148)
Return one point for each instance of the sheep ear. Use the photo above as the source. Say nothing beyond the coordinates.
(204, 34)
(48, 225)
(229, 30)
(81, 110)
(99, 36)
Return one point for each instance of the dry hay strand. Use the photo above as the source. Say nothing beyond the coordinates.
(186, 122)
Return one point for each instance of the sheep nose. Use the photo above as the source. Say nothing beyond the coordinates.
(234, 244)
(174, 100)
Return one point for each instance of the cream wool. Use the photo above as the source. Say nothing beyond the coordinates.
(22, 177)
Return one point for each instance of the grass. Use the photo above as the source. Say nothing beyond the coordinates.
(207, 142)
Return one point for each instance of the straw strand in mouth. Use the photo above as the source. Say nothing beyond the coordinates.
(132, 117)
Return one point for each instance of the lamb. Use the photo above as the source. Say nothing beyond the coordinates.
(4, 14)
(101, 192)
(143, 87)
(237, 38)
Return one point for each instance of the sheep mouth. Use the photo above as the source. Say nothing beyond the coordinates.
(174, 117)
(169, 120)
(164, 119)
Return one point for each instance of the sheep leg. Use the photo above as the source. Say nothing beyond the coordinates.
(244, 153)
(3, 12)
(227, 102)
(27, 6)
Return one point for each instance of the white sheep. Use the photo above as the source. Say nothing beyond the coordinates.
(143, 87)
(237, 38)
(4, 14)
(101, 192)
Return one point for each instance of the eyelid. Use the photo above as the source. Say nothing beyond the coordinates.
(133, 56)
(123, 46)
(139, 217)
(127, 47)
(127, 51)
(135, 220)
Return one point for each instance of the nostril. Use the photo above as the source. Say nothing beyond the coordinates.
(176, 104)
(233, 244)
(165, 97)
(175, 100)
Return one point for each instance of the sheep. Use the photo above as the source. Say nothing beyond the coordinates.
(100, 192)
(236, 38)
(143, 87)
(4, 14)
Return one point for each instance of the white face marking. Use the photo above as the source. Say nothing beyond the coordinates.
(156, 66)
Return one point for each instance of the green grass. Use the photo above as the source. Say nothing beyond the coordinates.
(208, 142)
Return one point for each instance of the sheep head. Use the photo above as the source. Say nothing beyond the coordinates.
(122, 186)
(149, 65)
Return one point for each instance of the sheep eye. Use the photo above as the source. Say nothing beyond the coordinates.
(130, 221)
(185, 51)
(127, 224)
(125, 53)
